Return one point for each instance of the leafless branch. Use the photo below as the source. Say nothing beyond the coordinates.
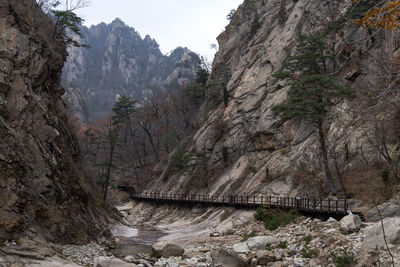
(384, 235)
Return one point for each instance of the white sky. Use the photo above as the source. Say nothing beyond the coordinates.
(189, 23)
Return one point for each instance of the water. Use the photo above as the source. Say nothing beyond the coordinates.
(136, 240)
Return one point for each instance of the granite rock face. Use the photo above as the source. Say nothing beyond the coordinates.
(248, 150)
(390, 208)
(42, 187)
(374, 234)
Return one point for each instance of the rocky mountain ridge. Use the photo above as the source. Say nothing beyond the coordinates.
(121, 62)
(248, 149)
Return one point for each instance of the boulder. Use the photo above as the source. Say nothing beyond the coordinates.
(111, 262)
(227, 258)
(166, 250)
(350, 224)
(265, 256)
(374, 234)
(259, 242)
(241, 247)
(331, 220)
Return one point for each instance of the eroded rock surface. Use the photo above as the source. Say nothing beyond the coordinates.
(42, 188)
(247, 149)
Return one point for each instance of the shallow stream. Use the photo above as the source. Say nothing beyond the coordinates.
(136, 240)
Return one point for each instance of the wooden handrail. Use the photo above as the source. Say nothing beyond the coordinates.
(338, 206)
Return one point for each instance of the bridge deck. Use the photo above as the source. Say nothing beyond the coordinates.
(313, 205)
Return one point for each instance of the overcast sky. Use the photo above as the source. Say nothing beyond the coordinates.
(172, 23)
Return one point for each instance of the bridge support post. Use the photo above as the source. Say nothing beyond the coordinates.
(314, 202)
(336, 204)
(329, 205)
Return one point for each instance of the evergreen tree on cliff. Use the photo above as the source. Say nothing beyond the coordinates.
(311, 90)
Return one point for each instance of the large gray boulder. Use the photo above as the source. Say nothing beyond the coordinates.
(259, 242)
(350, 224)
(111, 262)
(166, 250)
(241, 247)
(227, 258)
(374, 234)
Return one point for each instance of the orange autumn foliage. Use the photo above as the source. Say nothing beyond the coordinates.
(386, 17)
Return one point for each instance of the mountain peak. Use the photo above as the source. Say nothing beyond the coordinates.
(118, 22)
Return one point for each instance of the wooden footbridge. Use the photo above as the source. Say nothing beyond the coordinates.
(327, 206)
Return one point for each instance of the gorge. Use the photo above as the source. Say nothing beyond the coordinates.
(184, 131)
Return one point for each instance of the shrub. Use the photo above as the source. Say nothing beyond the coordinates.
(307, 252)
(268, 247)
(307, 239)
(346, 259)
(253, 169)
(259, 215)
(179, 159)
(273, 218)
(271, 223)
(282, 244)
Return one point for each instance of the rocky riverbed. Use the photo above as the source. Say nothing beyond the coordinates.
(307, 242)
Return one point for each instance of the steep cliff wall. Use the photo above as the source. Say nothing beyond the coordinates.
(42, 188)
(248, 149)
(120, 62)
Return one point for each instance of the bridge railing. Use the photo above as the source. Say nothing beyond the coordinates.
(311, 204)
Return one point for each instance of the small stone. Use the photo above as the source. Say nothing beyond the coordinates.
(331, 220)
(279, 264)
(265, 256)
(315, 263)
(215, 234)
(110, 262)
(330, 231)
(298, 262)
(250, 233)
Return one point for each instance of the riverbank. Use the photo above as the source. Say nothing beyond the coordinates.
(215, 237)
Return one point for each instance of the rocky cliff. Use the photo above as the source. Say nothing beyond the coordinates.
(42, 187)
(120, 62)
(248, 149)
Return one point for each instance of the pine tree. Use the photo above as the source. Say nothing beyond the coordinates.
(67, 22)
(122, 109)
(311, 91)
